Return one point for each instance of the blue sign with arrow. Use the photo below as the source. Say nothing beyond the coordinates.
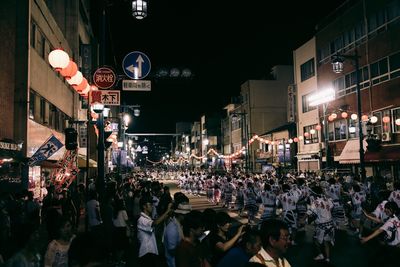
(136, 65)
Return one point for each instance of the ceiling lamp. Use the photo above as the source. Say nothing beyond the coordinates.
(139, 9)
(58, 59)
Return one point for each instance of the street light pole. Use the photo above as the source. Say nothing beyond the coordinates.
(338, 68)
(326, 137)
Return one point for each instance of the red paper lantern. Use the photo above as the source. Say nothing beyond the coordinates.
(330, 118)
(306, 134)
(295, 139)
(318, 127)
(364, 118)
(386, 119)
(70, 70)
(344, 115)
(82, 86)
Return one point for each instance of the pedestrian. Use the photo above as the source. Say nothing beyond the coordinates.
(148, 250)
(173, 233)
(188, 252)
(275, 239)
(238, 256)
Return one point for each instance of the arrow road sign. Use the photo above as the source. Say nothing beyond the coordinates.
(136, 65)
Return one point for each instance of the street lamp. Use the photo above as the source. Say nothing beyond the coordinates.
(103, 112)
(337, 65)
(323, 97)
(139, 9)
(245, 136)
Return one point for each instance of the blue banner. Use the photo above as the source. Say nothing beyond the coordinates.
(51, 146)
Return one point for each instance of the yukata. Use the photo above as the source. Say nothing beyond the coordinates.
(268, 199)
(229, 188)
(324, 228)
(338, 213)
(288, 200)
(251, 203)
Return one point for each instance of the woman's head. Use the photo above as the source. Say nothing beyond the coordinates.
(223, 221)
(391, 208)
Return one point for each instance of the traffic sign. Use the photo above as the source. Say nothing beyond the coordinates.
(106, 97)
(136, 85)
(104, 78)
(136, 65)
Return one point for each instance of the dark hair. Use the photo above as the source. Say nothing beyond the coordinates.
(144, 200)
(271, 229)
(222, 218)
(209, 218)
(192, 220)
(392, 206)
(250, 236)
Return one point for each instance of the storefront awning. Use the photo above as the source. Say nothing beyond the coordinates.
(385, 154)
(82, 162)
(351, 152)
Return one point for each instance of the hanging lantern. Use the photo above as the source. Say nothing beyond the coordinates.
(306, 134)
(374, 119)
(344, 115)
(295, 139)
(70, 70)
(354, 116)
(386, 119)
(139, 9)
(290, 140)
(301, 138)
(58, 59)
(334, 115)
(330, 118)
(312, 131)
(318, 127)
(397, 122)
(82, 86)
(94, 88)
(364, 118)
(86, 90)
(76, 79)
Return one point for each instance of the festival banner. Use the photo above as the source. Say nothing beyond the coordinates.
(51, 146)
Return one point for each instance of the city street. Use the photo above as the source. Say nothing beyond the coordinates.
(347, 251)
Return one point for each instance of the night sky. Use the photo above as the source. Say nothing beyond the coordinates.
(223, 43)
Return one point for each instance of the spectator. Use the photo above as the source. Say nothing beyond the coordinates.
(275, 239)
(239, 256)
(173, 233)
(188, 253)
(146, 226)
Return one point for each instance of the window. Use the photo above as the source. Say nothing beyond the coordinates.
(376, 22)
(394, 64)
(33, 34)
(379, 71)
(393, 10)
(353, 128)
(396, 116)
(311, 138)
(337, 130)
(307, 70)
(31, 104)
(305, 104)
(381, 127)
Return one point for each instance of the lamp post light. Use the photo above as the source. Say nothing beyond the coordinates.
(139, 9)
(337, 65)
(103, 112)
(323, 97)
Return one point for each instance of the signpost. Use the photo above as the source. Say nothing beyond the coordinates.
(104, 78)
(106, 97)
(136, 65)
(136, 85)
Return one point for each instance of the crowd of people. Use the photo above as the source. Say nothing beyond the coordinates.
(137, 221)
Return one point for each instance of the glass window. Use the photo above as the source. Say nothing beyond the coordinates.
(379, 71)
(353, 128)
(31, 104)
(40, 44)
(331, 135)
(307, 70)
(394, 64)
(33, 34)
(393, 10)
(311, 138)
(396, 116)
(305, 104)
(340, 128)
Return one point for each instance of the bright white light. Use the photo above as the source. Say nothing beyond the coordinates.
(120, 144)
(126, 119)
(321, 97)
(354, 116)
(98, 107)
(374, 119)
(312, 131)
(205, 142)
(352, 129)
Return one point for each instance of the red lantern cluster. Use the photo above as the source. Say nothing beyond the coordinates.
(62, 63)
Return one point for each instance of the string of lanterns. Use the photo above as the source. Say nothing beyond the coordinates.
(62, 63)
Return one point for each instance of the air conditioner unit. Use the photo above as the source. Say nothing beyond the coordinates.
(386, 137)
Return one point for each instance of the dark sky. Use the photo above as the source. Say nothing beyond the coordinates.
(224, 43)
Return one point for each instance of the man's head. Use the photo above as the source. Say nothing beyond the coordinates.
(146, 204)
(275, 236)
(193, 225)
(251, 242)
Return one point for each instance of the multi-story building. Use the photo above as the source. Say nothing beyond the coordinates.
(305, 75)
(35, 100)
(366, 31)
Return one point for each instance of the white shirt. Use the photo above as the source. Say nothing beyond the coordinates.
(268, 260)
(93, 212)
(146, 236)
(322, 208)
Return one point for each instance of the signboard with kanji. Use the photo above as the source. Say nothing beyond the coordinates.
(136, 85)
(104, 78)
(106, 97)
